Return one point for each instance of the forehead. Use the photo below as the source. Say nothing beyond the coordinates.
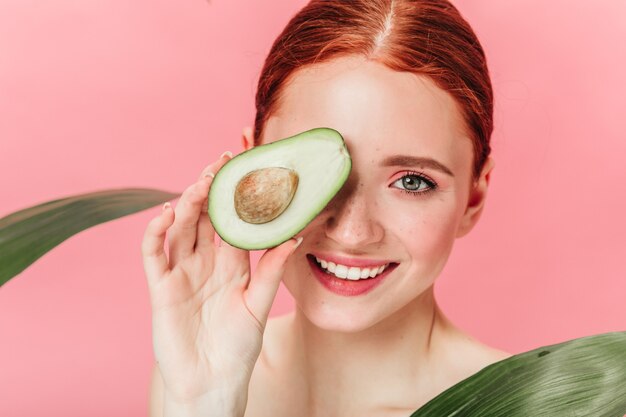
(373, 107)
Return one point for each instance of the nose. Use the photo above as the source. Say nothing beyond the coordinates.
(351, 220)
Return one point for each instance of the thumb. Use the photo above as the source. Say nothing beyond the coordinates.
(266, 280)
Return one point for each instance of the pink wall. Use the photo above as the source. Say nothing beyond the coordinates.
(106, 94)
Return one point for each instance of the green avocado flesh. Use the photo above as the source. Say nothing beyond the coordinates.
(266, 195)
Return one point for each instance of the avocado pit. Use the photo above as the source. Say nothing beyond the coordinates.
(263, 194)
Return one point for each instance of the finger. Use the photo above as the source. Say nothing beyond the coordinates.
(205, 240)
(154, 258)
(266, 280)
(215, 166)
(182, 235)
(205, 233)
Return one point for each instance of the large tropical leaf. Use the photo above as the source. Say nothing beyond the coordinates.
(28, 234)
(583, 377)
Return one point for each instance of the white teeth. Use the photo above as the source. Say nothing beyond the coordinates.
(352, 273)
(341, 271)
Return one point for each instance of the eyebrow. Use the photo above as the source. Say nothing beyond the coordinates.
(406, 160)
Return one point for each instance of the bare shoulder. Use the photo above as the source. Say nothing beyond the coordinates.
(486, 355)
(467, 355)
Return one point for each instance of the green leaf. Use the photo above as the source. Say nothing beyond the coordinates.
(28, 234)
(581, 377)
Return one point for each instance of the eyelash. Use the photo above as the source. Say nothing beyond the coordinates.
(421, 178)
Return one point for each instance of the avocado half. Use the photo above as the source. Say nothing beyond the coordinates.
(267, 194)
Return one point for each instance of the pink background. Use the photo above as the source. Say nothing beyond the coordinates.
(103, 94)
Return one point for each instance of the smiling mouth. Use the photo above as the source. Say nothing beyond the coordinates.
(349, 273)
(346, 286)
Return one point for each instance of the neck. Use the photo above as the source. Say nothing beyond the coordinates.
(389, 361)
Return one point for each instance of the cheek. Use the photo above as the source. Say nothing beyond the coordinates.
(427, 229)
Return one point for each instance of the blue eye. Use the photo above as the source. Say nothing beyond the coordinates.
(415, 183)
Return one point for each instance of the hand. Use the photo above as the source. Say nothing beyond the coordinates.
(208, 314)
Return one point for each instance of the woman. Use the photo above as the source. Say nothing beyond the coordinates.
(406, 84)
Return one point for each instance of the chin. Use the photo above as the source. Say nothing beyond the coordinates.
(325, 310)
(339, 318)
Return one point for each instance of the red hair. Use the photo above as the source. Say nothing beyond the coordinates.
(426, 37)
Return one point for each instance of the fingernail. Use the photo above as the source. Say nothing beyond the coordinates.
(166, 206)
(209, 175)
(229, 154)
(298, 241)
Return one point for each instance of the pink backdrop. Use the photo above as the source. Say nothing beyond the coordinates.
(106, 94)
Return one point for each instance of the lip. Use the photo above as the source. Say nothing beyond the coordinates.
(348, 287)
(360, 263)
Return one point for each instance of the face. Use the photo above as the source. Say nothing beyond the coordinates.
(394, 209)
